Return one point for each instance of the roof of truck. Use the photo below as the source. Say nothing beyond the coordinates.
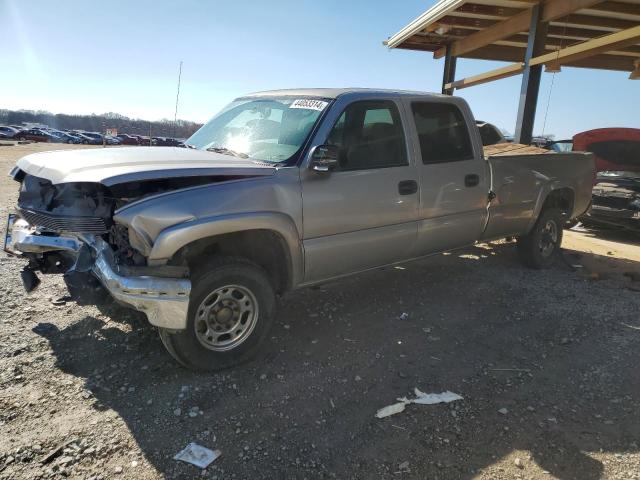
(334, 92)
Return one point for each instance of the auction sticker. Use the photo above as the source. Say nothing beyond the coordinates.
(309, 104)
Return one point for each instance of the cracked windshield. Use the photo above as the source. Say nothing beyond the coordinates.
(263, 129)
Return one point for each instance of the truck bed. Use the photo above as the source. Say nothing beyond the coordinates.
(522, 179)
(513, 149)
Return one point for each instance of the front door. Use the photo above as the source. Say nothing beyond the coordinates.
(363, 214)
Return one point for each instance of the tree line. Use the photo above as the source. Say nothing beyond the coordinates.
(99, 123)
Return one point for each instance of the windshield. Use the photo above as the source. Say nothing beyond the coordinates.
(269, 129)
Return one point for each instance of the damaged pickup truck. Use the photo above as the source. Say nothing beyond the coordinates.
(281, 190)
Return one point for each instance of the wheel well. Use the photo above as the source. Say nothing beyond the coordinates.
(561, 198)
(263, 247)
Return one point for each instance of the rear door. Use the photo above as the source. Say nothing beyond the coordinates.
(363, 214)
(454, 176)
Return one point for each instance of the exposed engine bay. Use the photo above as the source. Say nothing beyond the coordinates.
(88, 208)
(616, 200)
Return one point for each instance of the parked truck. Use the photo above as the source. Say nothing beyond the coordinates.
(281, 190)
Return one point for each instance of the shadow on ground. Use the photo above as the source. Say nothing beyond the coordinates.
(549, 346)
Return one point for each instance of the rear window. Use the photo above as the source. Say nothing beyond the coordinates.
(442, 131)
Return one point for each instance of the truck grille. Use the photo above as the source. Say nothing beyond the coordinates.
(56, 223)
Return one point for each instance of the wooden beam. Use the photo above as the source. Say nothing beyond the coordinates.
(554, 44)
(605, 62)
(552, 9)
(517, 23)
(617, 7)
(514, 54)
(596, 23)
(498, 73)
(575, 20)
(607, 43)
(487, 10)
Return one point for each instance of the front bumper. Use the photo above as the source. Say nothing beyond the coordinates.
(165, 301)
(613, 217)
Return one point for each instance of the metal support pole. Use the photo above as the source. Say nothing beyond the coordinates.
(531, 77)
(449, 71)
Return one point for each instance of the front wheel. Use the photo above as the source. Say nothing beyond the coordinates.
(231, 311)
(539, 248)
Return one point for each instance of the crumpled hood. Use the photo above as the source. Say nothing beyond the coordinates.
(111, 166)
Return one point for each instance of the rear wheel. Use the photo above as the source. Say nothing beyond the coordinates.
(22, 139)
(231, 310)
(539, 248)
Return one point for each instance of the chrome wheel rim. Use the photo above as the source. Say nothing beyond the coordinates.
(548, 238)
(226, 318)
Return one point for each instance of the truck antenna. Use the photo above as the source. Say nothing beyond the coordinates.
(175, 115)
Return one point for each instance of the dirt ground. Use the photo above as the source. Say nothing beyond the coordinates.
(546, 363)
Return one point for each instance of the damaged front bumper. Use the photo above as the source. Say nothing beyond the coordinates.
(164, 300)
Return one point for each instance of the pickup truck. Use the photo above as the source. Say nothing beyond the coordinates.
(281, 190)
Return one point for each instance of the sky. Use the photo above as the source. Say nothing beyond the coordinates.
(81, 56)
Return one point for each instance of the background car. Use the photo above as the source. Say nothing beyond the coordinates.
(489, 133)
(84, 139)
(65, 137)
(95, 138)
(111, 140)
(561, 146)
(616, 190)
(8, 132)
(166, 142)
(146, 141)
(127, 139)
(35, 135)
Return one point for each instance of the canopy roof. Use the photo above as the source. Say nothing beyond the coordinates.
(581, 33)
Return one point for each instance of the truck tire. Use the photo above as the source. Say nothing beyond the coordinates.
(231, 311)
(539, 248)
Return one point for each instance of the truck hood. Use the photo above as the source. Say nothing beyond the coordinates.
(111, 166)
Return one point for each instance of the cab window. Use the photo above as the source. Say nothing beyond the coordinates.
(369, 135)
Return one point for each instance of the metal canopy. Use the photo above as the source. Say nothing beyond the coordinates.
(597, 34)
(498, 30)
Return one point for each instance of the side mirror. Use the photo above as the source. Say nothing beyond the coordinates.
(324, 158)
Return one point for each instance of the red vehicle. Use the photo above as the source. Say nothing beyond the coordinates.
(616, 192)
(35, 135)
(615, 149)
(128, 139)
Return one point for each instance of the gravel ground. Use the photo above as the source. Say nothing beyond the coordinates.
(546, 362)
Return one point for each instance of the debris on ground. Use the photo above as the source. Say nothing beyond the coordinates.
(421, 399)
(403, 316)
(57, 451)
(197, 455)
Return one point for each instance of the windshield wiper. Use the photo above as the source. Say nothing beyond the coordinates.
(227, 151)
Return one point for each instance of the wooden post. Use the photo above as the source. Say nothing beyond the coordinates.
(531, 77)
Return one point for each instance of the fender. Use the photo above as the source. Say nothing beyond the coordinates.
(171, 239)
(546, 190)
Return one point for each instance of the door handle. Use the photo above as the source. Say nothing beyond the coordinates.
(471, 180)
(407, 187)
